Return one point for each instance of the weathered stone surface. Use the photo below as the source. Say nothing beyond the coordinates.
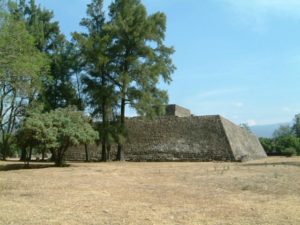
(171, 138)
(245, 146)
(176, 110)
(77, 153)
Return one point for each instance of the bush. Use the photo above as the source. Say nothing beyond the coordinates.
(267, 144)
(289, 151)
(56, 131)
(286, 142)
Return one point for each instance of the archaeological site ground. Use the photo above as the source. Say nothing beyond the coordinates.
(264, 192)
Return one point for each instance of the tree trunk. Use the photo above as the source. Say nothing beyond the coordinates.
(30, 153)
(28, 159)
(59, 161)
(104, 155)
(120, 153)
(53, 156)
(3, 155)
(43, 154)
(104, 122)
(108, 152)
(87, 157)
(23, 154)
(5, 148)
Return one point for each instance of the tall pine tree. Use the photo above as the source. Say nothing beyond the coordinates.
(58, 88)
(141, 59)
(95, 49)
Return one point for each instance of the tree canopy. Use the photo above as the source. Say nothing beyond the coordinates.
(120, 59)
(285, 140)
(20, 67)
(57, 130)
(125, 59)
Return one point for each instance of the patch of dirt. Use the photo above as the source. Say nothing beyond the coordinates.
(258, 192)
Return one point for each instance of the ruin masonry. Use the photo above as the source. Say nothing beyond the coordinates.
(178, 136)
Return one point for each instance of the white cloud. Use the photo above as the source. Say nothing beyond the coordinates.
(251, 122)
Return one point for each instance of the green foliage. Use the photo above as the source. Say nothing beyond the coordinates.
(285, 140)
(58, 89)
(20, 61)
(94, 48)
(123, 57)
(283, 130)
(57, 131)
(3, 12)
(296, 126)
(38, 22)
(285, 137)
(289, 151)
(281, 143)
(20, 67)
(125, 60)
(142, 58)
(267, 144)
(95, 53)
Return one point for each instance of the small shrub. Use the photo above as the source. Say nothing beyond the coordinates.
(289, 151)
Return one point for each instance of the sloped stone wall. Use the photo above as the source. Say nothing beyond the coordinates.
(176, 110)
(201, 138)
(245, 146)
(177, 139)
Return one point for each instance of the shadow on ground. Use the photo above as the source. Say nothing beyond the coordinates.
(297, 164)
(20, 166)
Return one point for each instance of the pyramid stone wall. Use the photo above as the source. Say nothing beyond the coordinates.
(244, 145)
(177, 139)
(176, 110)
(171, 138)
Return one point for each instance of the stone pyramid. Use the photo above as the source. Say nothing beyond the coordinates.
(201, 138)
(179, 136)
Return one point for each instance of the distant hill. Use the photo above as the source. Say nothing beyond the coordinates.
(266, 130)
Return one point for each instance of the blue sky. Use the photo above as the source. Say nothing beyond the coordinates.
(237, 58)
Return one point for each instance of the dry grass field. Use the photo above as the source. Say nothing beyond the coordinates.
(259, 192)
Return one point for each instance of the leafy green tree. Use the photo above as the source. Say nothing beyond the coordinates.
(58, 130)
(38, 23)
(290, 151)
(141, 60)
(95, 48)
(20, 67)
(267, 144)
(284, 142)
(3, 11)
(296, 126)
(58, 90)
(282, 131)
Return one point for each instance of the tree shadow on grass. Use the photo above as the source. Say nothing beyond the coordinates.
(20, 166)
(297, 164)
